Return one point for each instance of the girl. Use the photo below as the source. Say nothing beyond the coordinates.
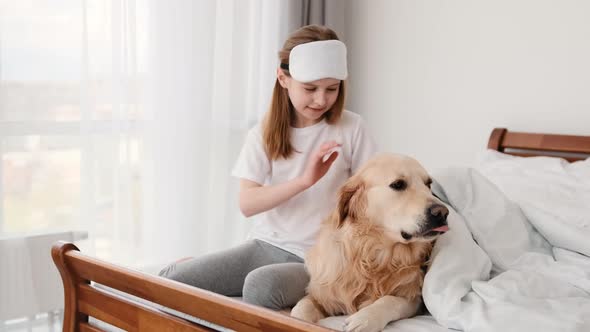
(290, 169)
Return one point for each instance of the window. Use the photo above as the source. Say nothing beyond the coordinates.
(70, 83)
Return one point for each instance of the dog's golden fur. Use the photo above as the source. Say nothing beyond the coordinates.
(359, 265)
(360, 256)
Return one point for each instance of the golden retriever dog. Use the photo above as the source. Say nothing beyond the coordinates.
(370, 255)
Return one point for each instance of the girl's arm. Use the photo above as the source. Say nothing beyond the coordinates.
(255, 198)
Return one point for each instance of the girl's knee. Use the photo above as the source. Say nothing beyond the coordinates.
(263, 289)
(170, 271)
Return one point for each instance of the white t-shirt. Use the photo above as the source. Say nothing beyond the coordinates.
(294, 224)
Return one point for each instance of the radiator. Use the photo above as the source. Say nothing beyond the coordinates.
(29, 282)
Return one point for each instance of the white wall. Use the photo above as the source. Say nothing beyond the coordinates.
(432, 78)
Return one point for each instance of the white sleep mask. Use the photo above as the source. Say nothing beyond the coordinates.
(316, 60)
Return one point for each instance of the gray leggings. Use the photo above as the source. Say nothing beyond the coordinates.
(261, 273)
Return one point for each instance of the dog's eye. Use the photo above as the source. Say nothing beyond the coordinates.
(428, 183)
(398, 185)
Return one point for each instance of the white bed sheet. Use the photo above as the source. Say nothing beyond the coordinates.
(424, 323)
(553, 194)
(495, 271)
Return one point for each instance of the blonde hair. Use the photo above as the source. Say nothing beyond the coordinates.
(281, 115)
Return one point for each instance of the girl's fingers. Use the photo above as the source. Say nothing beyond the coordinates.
(331, 159)
(332, 155)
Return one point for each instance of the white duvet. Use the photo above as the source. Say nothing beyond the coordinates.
(494, 271)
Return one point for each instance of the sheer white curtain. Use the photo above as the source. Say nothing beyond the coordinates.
(213, 68)
(69, 140)
(69, 114)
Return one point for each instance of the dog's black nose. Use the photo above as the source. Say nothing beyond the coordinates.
(437, 214)
(438, 210)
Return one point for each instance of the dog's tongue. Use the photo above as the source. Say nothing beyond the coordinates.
(442, 229)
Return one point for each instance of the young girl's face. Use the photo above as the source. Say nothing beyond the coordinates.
(311, 100)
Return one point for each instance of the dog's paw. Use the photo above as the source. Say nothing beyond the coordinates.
(364, 321)
(305, 310)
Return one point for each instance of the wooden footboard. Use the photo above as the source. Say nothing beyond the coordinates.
(82, 300)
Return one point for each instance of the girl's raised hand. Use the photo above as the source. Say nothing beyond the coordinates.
(316, 166)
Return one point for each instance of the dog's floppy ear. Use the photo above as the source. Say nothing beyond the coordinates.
(351, 202)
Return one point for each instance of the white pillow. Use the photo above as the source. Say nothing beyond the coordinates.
(553, 193)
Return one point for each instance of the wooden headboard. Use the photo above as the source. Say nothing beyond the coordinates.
(569, 147)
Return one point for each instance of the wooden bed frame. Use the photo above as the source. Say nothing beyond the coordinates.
(569, 147)
(83, 300)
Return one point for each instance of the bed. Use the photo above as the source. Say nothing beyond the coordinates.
(99, 294)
